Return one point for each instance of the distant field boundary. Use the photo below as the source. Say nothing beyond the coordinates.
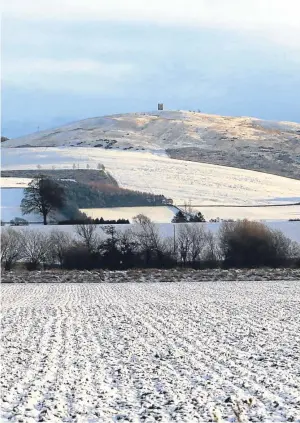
(236, 206)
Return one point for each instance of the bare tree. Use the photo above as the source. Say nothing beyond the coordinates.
(89, 236)
(147, 232)
(211, 252)
(198, 240)
(35, 245)
(191, 241)
(127, 241)
(59, 243)
(150, 242)
(294, 250)
(188, 206)
(184, 243)
(11, 247)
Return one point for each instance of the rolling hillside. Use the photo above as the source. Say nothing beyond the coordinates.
(206, 159)
(202, 183)
(241, 142)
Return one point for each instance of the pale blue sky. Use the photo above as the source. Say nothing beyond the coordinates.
(69, 60)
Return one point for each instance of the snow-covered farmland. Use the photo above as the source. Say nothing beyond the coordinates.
(178, 179)
(165, 214)
(11, 199)
(14, 182)
(241, 142)
(158, 214)
(151, 352)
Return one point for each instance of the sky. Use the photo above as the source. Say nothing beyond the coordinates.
(67, 60)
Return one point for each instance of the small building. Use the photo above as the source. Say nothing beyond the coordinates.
(160, 106)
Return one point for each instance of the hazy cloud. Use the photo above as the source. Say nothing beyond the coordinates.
(80, 58)
(277, 19)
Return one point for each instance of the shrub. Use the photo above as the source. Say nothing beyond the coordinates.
(88, 235)
(253, 244)
(79, 257)
(153, 250)
(19, 221)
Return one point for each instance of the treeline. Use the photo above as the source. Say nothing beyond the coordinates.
(98, 195)
(63, 199)
(241, 244)
(99, 175)
(97, 221)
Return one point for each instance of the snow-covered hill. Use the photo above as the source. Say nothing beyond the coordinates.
(139, 151)
(243, 142)
(159, 130)
(180, 180)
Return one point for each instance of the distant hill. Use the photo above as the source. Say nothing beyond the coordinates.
(241, 142)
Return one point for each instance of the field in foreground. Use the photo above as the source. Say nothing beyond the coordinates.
(150, 352)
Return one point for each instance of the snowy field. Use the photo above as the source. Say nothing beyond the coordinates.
(240, 142)
(158, 214)
(165, 214)
(177, 179)
(14, 182)
(151, 352)
(11, 199)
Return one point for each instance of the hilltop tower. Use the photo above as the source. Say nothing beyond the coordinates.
(160, 106)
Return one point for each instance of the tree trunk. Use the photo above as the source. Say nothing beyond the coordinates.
(45, 218)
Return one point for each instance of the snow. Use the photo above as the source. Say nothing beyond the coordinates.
(158, 214)
(161, 130)
(181, 180)
(252, 213)
(14, 182)
(11, 199)
(161, 214)
(150, 352)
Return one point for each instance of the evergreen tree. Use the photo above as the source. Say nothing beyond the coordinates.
(198, 217)
(179, 218)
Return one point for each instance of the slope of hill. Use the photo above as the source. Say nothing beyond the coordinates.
(241, 142)
(180, 180)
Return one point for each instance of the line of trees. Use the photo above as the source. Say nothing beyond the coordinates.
(237, 244)
(184, 217)
(47, 196)
(97, 221)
